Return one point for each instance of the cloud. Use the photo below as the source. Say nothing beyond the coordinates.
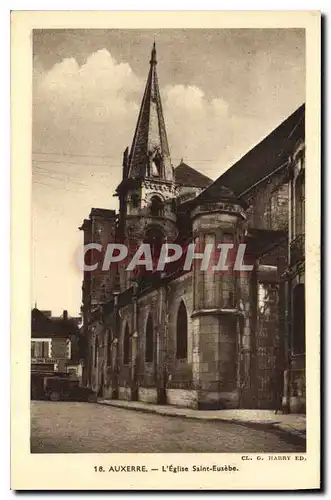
(91, 106)
(93, 109)
(203, 130)
(190, 102)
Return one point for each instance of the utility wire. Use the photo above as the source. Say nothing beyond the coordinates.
(105, 157)
(58, 176)
(75, 163)
(68, 154)
(67, 181)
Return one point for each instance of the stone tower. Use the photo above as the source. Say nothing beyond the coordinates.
(217, 217)
(147, 191)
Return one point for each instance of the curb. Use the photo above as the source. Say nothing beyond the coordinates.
(293, 437)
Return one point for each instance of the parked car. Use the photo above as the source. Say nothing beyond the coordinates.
(67, 389)
(37, 382)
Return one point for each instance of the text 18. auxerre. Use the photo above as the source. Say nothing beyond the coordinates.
(169, 468)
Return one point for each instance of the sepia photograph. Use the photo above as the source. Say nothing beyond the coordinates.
(168, 245)
(205, 163)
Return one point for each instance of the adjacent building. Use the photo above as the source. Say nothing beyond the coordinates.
(294, 277)
(197, 338)
(55, 343)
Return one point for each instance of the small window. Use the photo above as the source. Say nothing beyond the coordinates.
(149, 348)
(181, 337)
(126, 346)
(135, 200)
(72, 370)
(68, 349)
(40, 348)
(157, 207)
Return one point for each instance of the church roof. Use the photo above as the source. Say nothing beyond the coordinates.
(217, 192)
(266, 156)
(150, 141)
(188, 176)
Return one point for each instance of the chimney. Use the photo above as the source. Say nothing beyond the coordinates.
(65, 315)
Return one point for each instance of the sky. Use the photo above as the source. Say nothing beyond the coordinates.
(222, 92)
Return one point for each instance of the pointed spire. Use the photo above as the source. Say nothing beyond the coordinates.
(153, 55)
(149, 155)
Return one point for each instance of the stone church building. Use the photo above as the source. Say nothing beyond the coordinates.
(195, 338)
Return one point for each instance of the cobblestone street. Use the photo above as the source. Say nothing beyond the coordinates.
(64, 427)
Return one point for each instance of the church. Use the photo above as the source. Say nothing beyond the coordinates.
(195, 338)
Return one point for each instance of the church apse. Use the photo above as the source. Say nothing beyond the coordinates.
(195, 337)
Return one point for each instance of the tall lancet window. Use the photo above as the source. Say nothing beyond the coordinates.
(149, 346)
(181, 338)
(155, 238)
(126, 346)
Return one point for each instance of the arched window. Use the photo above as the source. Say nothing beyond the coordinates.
(149, 346)
(156, 164)
(300, 205)
(135, 200)
(299, 319)
(126, 346)
(91, 363)
(96, 348)
(228, 278)
(109, 348)
(157, 206)
(181, 331)
(155, 238)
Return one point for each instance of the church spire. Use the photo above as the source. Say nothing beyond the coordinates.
(149, 156)
(153, 55)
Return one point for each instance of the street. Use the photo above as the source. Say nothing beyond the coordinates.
(69, 427)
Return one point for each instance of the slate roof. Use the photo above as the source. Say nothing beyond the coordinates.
(266, 156)
(217, 192)
(188, 176)
(103, 212)
(43, 326)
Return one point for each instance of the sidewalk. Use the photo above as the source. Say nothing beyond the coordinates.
(294, 425)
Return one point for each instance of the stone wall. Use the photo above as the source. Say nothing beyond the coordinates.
(182, 398)
(268, 204)
(102, 282)
(126, 321)
(165, 370)
(216, 313)
(147, 395)
(147, 305)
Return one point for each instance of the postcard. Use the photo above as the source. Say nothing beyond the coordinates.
(165, 224)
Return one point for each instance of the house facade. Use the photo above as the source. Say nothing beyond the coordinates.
(55, 343)
(192, 337)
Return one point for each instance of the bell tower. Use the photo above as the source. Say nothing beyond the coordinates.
(147, 192)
